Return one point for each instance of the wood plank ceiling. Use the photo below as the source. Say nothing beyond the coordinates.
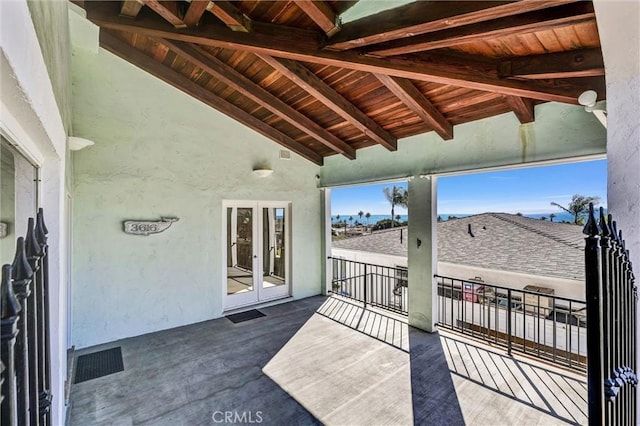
(292, 72)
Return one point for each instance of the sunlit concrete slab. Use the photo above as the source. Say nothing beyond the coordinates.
(323, 360)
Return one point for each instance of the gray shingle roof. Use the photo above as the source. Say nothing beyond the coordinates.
(500, 241)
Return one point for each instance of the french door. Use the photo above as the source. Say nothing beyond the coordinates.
(257, 252)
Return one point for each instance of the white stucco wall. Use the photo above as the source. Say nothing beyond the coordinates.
(619, 28)
(159, 152)
(31, 118)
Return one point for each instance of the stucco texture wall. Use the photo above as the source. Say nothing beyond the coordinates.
(56, 49)
(159, 152)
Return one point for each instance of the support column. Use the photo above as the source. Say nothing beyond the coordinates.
(325, 205)
(423, 256)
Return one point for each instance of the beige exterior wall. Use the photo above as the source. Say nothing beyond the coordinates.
(570, 289)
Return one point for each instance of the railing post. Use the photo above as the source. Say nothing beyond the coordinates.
(44, 394)
(33, 256)
(593, 288)
(509, 322)
(9, 310)
(22, 274)
(365, 285)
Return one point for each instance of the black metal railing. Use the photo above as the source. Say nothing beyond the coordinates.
(537, 324)
(25, 346)
(376, 285)
(612, 318)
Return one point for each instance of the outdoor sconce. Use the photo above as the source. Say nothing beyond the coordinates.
(262, 172)
(76, 144)
(419, 242)
(588, 99)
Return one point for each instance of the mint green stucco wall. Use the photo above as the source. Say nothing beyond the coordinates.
(559, 132)
(50, 20)
(159, 152)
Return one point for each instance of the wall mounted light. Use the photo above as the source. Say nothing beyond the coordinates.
(589, 99)
(262, 172)
(76, 144)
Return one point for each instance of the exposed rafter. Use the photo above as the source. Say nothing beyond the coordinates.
(427, 16)
(522, 108)
(249, 89)
(230, 15)
(313, 85)
(322, 14)
(131, 8)
(168, 10)
(193, 89)
(418, 103)
(574, 63)
(548, 19)
(277, 41)
(195, 12)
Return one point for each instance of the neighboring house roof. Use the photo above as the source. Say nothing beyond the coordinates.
(500, 241)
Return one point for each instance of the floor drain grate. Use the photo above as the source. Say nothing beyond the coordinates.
(99, 364)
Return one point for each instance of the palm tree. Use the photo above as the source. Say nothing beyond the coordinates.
(551, 216)
(367, 216)
(360, 214)
(398, 217)
(579, 205)
(397, 196)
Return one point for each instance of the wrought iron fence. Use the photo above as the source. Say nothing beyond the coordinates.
(376, 285)
(537, 324)
(25, 346)
(611, 304)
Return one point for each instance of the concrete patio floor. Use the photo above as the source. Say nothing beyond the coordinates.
(323, 360)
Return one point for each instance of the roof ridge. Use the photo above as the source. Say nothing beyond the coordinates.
(536, 231)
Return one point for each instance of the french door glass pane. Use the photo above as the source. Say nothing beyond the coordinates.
(273, 247)
(239, 250)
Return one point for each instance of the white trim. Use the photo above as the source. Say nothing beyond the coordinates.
(259, 294)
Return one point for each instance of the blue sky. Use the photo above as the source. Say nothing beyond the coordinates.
(528, 191)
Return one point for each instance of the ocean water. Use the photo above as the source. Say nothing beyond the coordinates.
(560, 216)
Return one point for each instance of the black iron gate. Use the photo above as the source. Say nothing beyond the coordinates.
(611, 321)
(24, 298)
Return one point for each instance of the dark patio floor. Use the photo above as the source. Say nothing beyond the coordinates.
(322, 360)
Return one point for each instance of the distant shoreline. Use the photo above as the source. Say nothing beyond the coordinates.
(559, 216)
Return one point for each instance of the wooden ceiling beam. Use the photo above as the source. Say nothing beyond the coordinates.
(322, 14)
(230, 15)
(540, 20)
(418, 103)
(570, 64)
(276, 41)
(523, 108)
(179, 81)
(195, 12)
(168, 10)
(131, 8)
(427, 16)
(232, 78)
(313, 85)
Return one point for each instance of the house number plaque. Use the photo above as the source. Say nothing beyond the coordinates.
(146, 227)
